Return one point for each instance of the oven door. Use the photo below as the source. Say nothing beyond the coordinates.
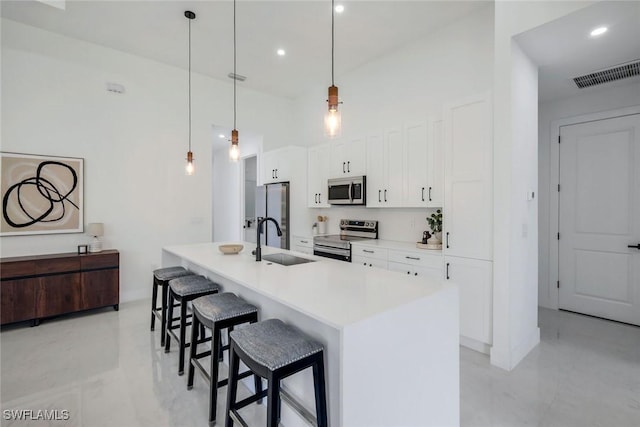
(331, 252)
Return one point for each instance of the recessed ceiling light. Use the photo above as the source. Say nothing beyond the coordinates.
(598, 31)
(221, 136)
(281, 52)
(339, 8)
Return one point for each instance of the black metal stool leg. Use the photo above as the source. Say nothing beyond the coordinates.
(163, 319)
(182, 345)
(273, 399)
(168, 324)
(193, 350)
(213, 385)
(234, 366)
(319, 386)
(154, 302)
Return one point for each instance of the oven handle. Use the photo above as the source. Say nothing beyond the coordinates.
(330, 250)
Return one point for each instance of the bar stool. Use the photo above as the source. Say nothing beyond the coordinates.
(161, 278)
(217, 312)
(274, 350)
(184, 289)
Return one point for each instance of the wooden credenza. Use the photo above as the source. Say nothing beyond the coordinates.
(39, 286)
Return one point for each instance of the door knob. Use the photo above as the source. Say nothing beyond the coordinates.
(636, 246)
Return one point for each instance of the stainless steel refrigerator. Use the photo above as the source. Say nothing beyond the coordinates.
(272, 200)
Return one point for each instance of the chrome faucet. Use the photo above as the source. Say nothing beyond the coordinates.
(258, 251)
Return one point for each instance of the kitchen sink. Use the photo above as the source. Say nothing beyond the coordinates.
(285, 259)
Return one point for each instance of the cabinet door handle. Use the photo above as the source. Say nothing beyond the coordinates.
(447, 240)
(368, 251)
(370, 265)
(448, 271)
(316, 197)
(413, 257)
(364, 263)
(319, 197)
(273, 173)
(343, 165)
(636, 246)
(408, 272)
(349, 166)
(276, 173)
(423, 194)
(429, 193)
(379, 191)
(415, 274)
(385, 195)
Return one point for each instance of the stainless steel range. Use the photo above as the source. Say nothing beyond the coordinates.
(338, 246)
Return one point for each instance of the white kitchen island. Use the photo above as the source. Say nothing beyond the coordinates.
(391, 341)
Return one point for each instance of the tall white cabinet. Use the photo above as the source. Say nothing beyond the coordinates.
(424, 164)
(468, 213)
(318, 173)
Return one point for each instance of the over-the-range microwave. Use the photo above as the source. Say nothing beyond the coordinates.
(348, 191)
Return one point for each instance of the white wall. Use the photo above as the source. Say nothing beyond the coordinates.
(411, 83)
(599, 100)
(55, 102)
(515, 329)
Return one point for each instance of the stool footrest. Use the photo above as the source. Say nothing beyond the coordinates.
(249, 400)
(237, 418)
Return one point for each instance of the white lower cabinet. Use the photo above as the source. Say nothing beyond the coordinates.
(475, 281)
(302, 244)
(369, 262)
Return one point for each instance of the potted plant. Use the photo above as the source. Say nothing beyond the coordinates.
(435, 223)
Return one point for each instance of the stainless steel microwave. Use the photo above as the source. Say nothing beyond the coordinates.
(348, 191)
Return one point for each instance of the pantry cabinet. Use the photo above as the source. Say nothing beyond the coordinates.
(475, 282)
(468, 197)
(318, 174)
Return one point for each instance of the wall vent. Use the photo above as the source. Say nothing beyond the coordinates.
(618, 72)
(237, 77)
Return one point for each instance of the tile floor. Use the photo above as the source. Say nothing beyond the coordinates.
(107, 369)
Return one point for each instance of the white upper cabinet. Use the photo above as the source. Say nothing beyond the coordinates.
(416, 159)
(318, 173)
(424, 164)
(277, 165)
(375, 166)
(348, 157)
(435, 165)
(385, 166)
(468, 198)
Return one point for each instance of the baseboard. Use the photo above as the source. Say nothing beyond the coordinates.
(475, 345)
(509, 359)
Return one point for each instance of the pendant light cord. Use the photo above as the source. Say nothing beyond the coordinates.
(332, 39)
(235, 76)
(189, 84)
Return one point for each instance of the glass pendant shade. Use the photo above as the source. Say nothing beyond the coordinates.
(190, 168)
(333, 118)
(234, 151)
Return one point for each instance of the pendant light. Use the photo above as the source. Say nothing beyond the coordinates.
(234, 151)
(332, 118)
(190, 169)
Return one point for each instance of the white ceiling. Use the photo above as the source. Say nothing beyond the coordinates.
(158, 30)
(563, 49)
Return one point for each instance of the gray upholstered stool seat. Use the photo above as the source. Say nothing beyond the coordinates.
(161, 277)
(273, 344)
(216, 307)
(184, 289)
(190, 285)
(168, 273)
(217, 312)
(274, 350)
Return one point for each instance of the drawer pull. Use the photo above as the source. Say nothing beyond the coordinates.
(415, 274)
(368, 251)
(304, 241)
(447, 271)
(413, 257)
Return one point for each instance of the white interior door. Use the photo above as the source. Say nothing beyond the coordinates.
(600, 218)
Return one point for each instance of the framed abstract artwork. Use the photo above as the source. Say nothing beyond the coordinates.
(41, 194)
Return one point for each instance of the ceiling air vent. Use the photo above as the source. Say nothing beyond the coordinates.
(618, 72)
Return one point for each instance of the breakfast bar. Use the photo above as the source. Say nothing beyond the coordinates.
(391, 341)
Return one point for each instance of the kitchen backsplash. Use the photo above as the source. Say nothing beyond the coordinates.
(401, 224)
